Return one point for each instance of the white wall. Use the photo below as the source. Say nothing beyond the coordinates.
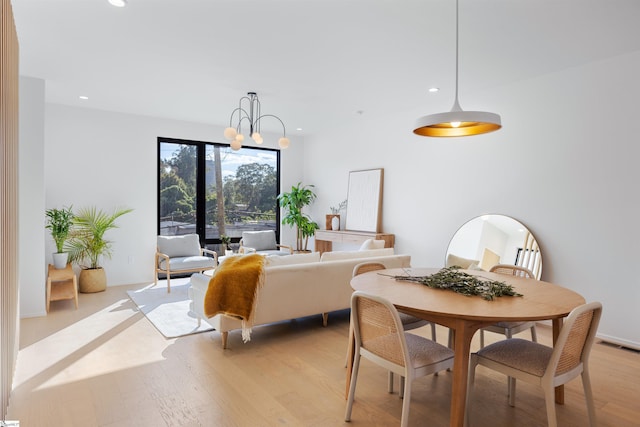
(31, 198)
(570, 136)
(110, 160)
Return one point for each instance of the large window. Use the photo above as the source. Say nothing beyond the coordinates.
(212, 190)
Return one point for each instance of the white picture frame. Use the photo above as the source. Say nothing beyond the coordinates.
(364, 200)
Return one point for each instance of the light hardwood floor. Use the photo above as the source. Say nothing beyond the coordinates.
(106, 365)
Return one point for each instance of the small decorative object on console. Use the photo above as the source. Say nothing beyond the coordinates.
(333, 220)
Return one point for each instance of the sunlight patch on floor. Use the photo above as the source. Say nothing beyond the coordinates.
(90, 347)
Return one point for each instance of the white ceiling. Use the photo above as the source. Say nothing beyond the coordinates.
(311, 61)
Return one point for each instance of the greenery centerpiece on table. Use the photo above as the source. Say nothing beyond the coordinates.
(463, 283)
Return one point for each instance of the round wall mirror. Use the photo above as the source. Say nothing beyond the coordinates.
(487, 240)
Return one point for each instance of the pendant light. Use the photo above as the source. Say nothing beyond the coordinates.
(457, 122)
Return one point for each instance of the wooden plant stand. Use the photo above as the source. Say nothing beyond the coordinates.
(61, 284)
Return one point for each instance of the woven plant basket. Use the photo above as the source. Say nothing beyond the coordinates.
(92, 280)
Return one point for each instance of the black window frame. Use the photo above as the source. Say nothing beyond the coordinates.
(201, 186)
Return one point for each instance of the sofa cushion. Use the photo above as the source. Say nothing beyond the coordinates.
(372, 244)
(460, 262)
(189, 263)
(273, 260)
(337, 255)
(259, 240)
(274, 252)
(175, 246)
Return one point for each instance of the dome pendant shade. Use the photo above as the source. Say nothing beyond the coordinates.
(457, 123)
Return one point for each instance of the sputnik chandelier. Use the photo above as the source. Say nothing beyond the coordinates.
(251, 114)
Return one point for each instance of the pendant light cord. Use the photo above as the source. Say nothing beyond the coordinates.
(456, 104)
(457, 47)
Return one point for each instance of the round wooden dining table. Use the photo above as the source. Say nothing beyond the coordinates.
(464, 315)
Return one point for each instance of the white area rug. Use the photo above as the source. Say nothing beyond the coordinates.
(169, 313)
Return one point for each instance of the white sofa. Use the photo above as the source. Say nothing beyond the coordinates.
(296, 286)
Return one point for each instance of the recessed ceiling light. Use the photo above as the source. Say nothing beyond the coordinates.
(298, 129)
(83, 97)
(434, 89)
(118, 3)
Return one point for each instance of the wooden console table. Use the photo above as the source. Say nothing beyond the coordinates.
(325, 238)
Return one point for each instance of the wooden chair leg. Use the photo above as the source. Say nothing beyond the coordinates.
(225, 337)
(588, 395)
(406, 402)
(48, 293)
(75, 290)
(349, 346)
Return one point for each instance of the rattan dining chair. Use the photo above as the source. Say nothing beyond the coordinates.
(379, 337)
(548, 367)
(512, 270)
(408, 321)
(509, 329)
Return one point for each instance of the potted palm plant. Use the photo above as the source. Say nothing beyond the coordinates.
(87, 245)
(59, 221)
(293, 202)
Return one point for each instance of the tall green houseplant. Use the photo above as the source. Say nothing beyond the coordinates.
(59, 222)
(87, 244)
(293, 202)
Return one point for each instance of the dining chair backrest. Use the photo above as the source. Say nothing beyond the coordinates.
(366, 267)
(575, 339)
(407, 321)
(377, 328)
(512, 270)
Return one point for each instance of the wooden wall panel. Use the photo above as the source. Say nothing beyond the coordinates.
(8, 201)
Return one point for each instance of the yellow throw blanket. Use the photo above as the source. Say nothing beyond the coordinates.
(233, 290)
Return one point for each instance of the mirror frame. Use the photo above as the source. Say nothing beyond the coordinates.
(494, 238)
